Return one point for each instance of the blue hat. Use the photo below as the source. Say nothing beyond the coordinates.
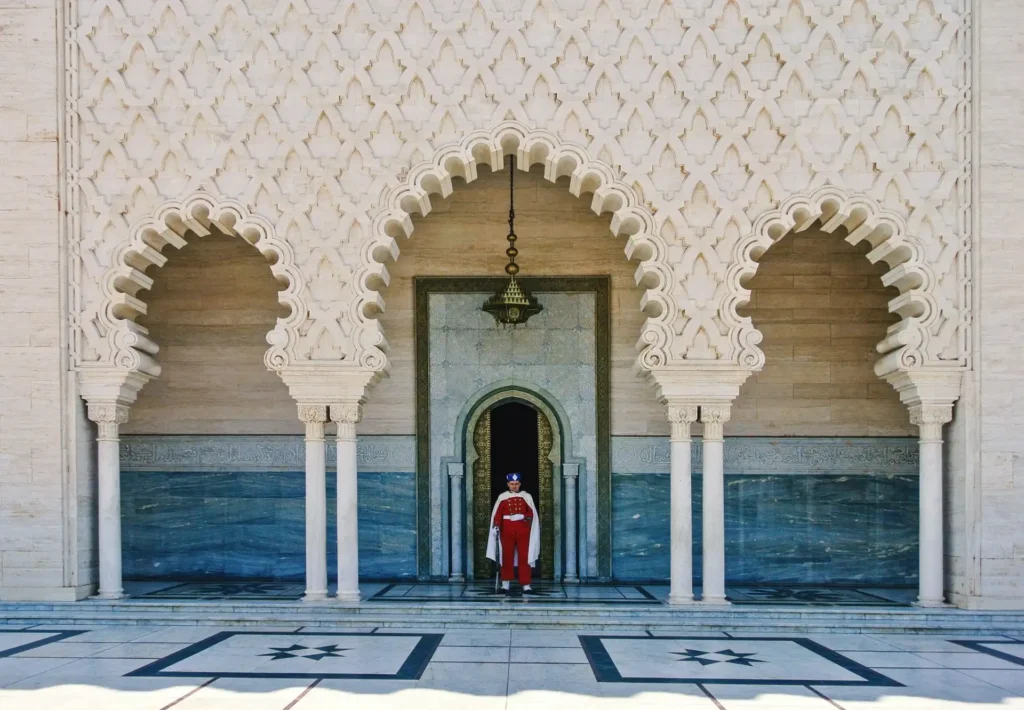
(512, 477)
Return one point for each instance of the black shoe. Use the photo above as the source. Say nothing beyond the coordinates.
(503, 592)
(530, 593)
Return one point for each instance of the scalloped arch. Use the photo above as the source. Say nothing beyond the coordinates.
(907, 342)
(200, 213)
(587, 175)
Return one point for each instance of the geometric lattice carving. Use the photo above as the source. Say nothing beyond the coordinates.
(313, 113)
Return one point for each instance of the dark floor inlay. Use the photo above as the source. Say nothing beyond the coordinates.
(738, 661)
(814, 596)
(1008, 650)
(15, 641)
(266, 654)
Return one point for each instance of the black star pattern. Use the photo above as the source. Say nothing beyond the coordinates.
(280, 653)
(739, 659)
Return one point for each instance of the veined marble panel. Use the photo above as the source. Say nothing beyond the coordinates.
(251, 524)
(779, 528)
(377, 454)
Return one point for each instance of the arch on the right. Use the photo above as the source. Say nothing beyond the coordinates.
(920, 339)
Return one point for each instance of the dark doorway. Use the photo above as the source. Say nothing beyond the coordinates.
(514, 448)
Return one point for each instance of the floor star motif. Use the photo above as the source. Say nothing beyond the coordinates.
(707, 658)
(280, 653)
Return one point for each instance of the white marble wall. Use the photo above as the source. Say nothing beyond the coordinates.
(553, 354)
(34, 496)
(994, 495)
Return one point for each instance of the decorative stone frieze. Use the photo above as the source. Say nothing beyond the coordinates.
(705, 130)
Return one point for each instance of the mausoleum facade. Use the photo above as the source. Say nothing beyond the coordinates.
(247, 243)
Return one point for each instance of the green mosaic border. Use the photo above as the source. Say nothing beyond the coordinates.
(600, 286)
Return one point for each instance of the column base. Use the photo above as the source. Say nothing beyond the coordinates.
(315, 596)
(457, 578)
(110, 596)
(714, 601)
(932, 604)
(349, 597)
(680, 600)
(570, 579)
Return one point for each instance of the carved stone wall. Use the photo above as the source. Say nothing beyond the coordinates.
(708, 130)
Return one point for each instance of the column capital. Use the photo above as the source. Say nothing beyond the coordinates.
(456, 469)
(346, 416)
(570, 470)
(108, 417)
(714, 417)
(929, 418)
(314, 416)
(681, 416)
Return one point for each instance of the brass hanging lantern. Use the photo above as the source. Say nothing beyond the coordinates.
(512, 306)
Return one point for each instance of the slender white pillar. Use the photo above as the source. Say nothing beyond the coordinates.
(314, 417)
(681, 511)
(571, 474)
(456, 476)
(346, 416)
(713, 418)
(929, 420)
(108, 418)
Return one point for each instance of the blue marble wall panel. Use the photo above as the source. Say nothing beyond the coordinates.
(251, 525)
(780, 528)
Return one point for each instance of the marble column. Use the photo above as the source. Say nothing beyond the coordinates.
(347, 416)
(714, 417)
(108, 418)
(571, 475)
(929, 419)
(314, 417)
(456, 476)
(681, 511)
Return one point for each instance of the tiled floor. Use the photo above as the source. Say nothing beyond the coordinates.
(186, 668)
(479, 591)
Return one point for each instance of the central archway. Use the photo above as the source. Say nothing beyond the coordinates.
(586, 175)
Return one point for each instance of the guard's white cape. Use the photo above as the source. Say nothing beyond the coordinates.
(494, 541)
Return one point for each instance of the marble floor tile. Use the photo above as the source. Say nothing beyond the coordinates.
(15, 670)
(925, 689)
(914, 643)
(892, 659)
(767, 697)
(471, 654)
(194, 634)
(522, 638)
(16, 642)
(547, 654)
(483, 637)
(678, 697)
(1011, 681)
(141, 650)
(66, 649)
(110, 634)
(94, 670)
(851, 642)
(245, 694)
(326, 696)
(977, 660)
(125, 694)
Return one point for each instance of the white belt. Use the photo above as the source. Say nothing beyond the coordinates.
(517, 516)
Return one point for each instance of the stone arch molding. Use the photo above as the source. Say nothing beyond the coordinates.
(200, 213)
(908, 344)
(586, 175)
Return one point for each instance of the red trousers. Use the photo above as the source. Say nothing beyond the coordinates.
(515, 535)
